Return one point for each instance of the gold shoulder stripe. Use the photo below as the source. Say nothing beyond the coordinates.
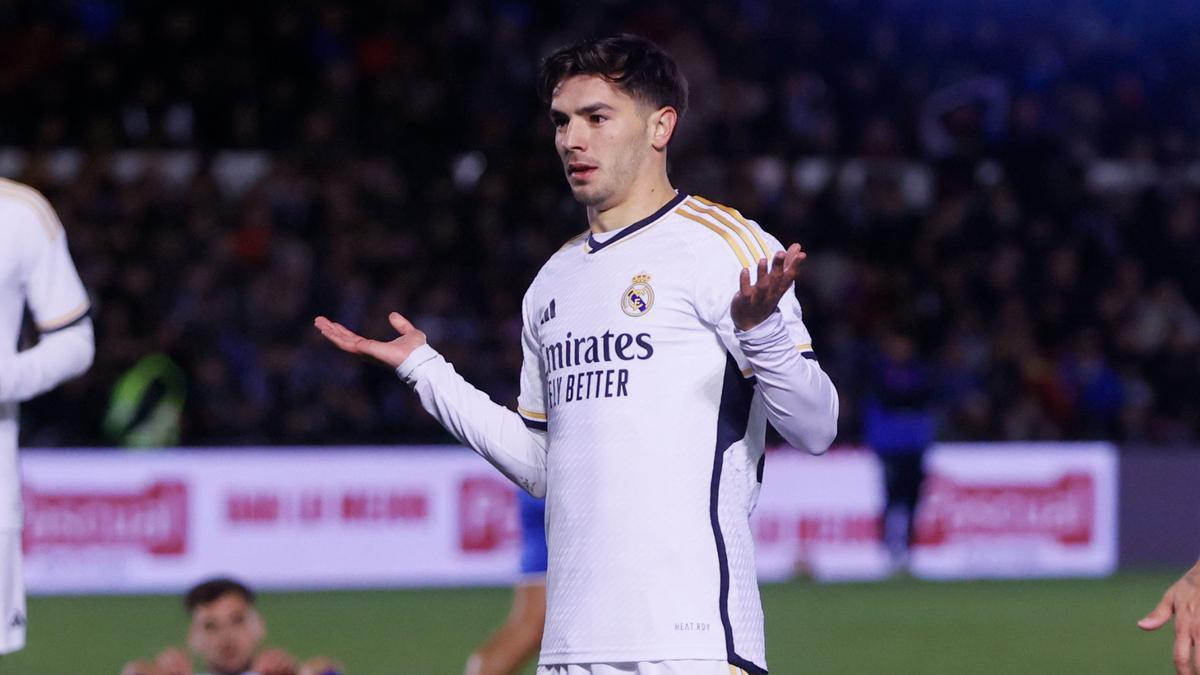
(741, 232)
(65, 318)
(737, 250)
(806, 347)
(36, 202)
(541, 417)
(733, 212)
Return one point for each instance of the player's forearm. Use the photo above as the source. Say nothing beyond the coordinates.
(56, 358)
(800, 399)
(495, 432)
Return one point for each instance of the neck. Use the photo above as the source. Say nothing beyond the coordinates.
(647, 197)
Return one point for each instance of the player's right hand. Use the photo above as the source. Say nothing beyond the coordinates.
(391, 354)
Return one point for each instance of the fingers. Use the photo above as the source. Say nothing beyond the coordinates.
(1183, 653)
(1158, 617)
(744, 282)
(791, 264)
(402, 325)
(339, 335)
(1187, 638)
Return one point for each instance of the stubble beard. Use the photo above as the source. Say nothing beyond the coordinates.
(591, 195)
(621, 175)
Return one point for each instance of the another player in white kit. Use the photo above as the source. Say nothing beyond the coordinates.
(657, 345)
(36, 271)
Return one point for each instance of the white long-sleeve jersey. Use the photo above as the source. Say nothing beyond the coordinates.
(36, 271)
(646, 414)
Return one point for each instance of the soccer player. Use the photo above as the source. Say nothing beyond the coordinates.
(518, 639)
(36, 273)
(657, 344)
(226, 632)
(1182, 600)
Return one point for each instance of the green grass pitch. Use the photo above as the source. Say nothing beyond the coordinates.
(1069, 627)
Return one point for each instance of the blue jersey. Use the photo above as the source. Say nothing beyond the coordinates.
(533, 533)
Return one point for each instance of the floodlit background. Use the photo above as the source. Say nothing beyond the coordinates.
(1011, 187)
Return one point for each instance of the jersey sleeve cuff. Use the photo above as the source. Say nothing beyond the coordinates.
(770, 333)
(533, 419)
(419, 357)
(67, 319)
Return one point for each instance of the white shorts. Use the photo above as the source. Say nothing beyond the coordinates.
(674, 667)
(12, 593)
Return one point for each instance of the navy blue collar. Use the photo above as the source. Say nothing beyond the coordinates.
(594, 245)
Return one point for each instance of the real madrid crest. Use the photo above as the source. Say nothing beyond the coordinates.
(639, 297)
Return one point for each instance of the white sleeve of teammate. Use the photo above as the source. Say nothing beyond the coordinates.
(514, 444)
(799, 398)
(59, 305)
(56, 358)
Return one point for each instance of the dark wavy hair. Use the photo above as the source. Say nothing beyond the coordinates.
(212, 589)
(634, 64)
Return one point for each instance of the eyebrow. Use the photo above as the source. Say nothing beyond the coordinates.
(585, 110)
(594, 107)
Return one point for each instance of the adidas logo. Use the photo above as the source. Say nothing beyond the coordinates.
(18, 620)
(547, 313)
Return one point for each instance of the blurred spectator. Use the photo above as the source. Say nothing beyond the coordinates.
(1026, 177)
(900, 426)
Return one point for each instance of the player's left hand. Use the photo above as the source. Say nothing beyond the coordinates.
(275, 662)
(1182, 600)
(755, 302)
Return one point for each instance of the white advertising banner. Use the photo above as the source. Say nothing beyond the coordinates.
(987, 510)
(112, 522)
(1028, 510)
(300, 518)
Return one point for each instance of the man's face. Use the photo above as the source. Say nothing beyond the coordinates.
(226, 633)
(602, 136)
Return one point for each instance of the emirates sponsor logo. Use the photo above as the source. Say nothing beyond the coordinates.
(486, 514)
(154, 519)
(1063, 510)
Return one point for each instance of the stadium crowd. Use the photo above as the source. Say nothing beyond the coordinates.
(1016, 188)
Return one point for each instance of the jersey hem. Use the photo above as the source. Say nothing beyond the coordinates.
(621, 656)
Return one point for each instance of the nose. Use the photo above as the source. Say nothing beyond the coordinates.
(574, 136)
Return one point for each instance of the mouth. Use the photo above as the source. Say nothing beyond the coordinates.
(581, 170)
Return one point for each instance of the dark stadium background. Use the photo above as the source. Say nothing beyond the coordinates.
(1016, 185)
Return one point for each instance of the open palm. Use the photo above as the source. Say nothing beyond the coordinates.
(753, 303)
(391, 353)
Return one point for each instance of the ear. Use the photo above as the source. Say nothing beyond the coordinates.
(194, 638)
(258, 627)
(662, 127)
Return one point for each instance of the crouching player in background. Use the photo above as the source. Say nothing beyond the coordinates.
(519, 638)
(226, 632)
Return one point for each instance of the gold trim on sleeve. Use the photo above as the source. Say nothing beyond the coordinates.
(65, 319)
(739, 218)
